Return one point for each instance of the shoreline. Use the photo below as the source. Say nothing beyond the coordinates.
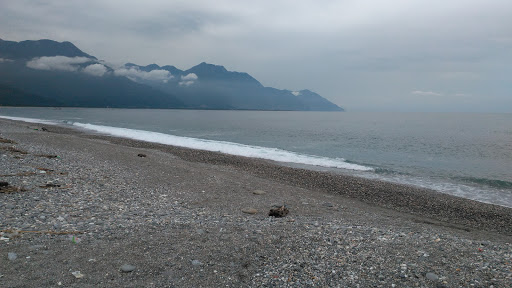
(191, 218)
(399, 197)
(176, 108)
(469, 183)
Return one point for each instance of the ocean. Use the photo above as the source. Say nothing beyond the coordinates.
(463, 154)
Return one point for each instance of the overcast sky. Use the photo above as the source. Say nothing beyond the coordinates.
(364, 55)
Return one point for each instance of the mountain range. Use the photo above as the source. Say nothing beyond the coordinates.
(50, 73)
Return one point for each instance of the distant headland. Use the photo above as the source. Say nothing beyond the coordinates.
(50, 73)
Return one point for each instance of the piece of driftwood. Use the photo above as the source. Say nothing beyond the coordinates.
(278, 212)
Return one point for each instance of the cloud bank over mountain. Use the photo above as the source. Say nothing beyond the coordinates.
(95, 70)
(62, 63)
(136, 74)
(188, 79)
(75, 64)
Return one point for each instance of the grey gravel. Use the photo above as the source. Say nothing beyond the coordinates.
(151, 213)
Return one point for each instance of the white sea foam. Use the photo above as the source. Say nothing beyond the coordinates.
(224, 147)
(209, 145)
(501, 197)
(30, 120)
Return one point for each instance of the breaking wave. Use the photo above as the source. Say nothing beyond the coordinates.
(274, 154)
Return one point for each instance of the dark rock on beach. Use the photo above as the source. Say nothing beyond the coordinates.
(5, 187)
(278, 212)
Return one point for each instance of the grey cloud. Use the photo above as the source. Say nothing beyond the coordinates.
(186, 83)
(189, 76)
(426, 93)
(135, 74)
(62, 63)
(95, 70)
(188, 79)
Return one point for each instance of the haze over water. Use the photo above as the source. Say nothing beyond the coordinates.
(464, 154)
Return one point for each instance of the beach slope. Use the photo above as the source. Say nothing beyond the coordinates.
(127, 213)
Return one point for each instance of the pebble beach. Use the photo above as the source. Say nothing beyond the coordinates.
(89, 210)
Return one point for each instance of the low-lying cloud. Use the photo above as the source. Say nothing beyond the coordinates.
(95, 70)
(188, 79)
(72, 64)
(436, 94)
(135, 74)
(61, 63)
(426, 93)
(5, 60)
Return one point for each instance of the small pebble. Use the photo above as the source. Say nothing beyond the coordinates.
(12, 256)
(77, 274)
(249, 211)
(127, 268)
(196, 263)
(432, 277)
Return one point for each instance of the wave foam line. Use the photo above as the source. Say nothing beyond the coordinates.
(29, 120)
(224, 147)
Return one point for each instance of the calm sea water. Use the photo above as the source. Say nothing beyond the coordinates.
(468, 155)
